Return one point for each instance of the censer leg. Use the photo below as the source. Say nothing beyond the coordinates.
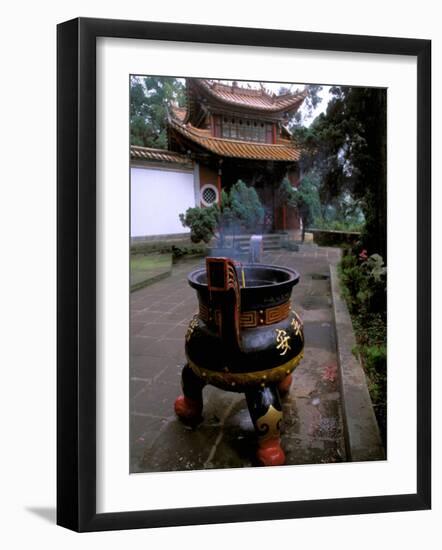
(189, 406)
(266, 413)
(284, 385)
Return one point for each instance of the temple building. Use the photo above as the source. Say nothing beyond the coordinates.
(225, 133)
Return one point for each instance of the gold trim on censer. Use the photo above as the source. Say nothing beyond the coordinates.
(232, 379)
(268, 426)
(249, 319)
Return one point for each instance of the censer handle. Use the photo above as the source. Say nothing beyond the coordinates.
(224, 294)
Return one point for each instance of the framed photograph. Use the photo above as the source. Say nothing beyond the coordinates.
(243, 274)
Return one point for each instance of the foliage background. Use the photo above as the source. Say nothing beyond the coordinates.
(346, 147)
(151, 98)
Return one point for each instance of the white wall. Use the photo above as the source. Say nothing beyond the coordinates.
(157, 198)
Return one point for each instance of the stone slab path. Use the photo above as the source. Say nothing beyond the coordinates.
(312, 431)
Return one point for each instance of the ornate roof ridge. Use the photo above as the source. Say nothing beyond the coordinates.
(258, 99)
(215, 85)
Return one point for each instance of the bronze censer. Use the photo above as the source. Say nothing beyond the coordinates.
(244, 338)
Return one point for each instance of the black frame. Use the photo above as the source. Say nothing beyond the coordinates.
(76, 272)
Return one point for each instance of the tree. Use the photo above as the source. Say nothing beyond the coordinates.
(311, 101)
(347, 147)
(150, 99)
(304, 198)
(241, 208)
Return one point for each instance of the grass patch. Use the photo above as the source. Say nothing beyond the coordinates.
(148, 268)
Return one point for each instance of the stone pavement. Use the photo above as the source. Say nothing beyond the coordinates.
(312, 431)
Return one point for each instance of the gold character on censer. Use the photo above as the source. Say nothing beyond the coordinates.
(282, 339)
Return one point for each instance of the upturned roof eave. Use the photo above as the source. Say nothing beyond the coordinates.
(228, 148)
(152, 154)
(276, 109)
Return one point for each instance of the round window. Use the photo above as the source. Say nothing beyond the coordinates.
(209, 194)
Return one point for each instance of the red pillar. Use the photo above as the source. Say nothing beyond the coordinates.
(218, 182)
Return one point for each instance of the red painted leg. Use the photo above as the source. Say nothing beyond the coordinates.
(270, 452)
(266, 413)
(189, 406)
(284, 385)
(188, 409)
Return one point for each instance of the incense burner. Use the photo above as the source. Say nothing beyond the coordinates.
(246, 338)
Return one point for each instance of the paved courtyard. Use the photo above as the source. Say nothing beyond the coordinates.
(312, 430)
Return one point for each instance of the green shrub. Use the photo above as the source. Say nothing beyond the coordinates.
(337, 238)
(363, 281)
(177, 248)
(370, 328)
(338, 225)
(202, 222)
(374, 359)
(240, 209)
(179, 251)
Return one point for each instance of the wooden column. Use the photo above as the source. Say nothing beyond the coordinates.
(218, 182)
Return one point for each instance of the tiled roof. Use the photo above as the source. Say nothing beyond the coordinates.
(158, 155)
(252, 98)
(236, 148)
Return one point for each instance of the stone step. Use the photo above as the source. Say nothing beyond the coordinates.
(270, 242)
(244, 247)
(266, 237)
